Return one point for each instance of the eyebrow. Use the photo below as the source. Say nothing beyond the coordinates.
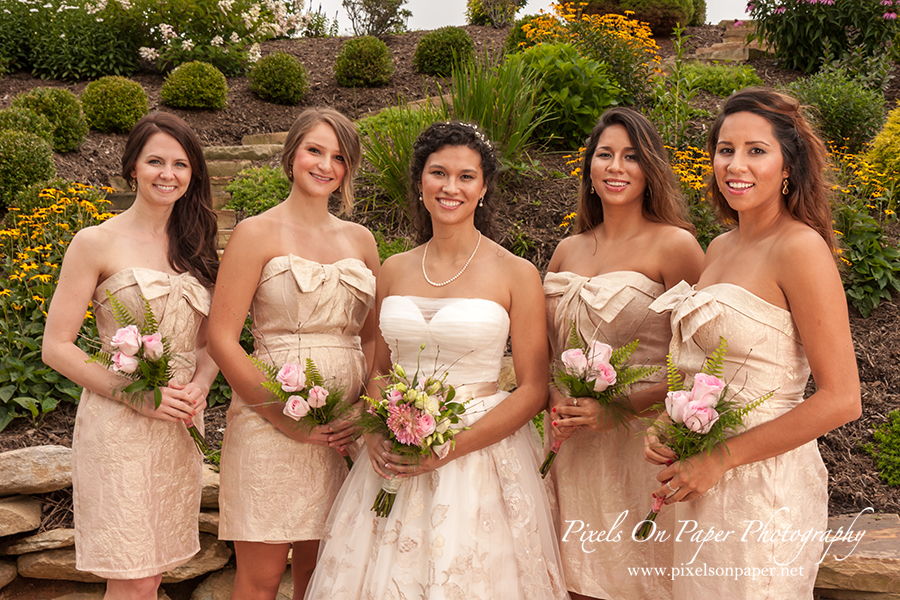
(749, 143)
(437, 166)
(610, 148)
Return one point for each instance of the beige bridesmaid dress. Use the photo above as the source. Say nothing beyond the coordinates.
(601, 480)
(137, 480)
(272, 488)
(767, 503)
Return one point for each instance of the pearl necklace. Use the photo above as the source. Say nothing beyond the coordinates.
(452, 279)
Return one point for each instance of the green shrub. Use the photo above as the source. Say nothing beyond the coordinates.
(114, 103)
(31, 252)
(576, 89)
(517, 40)
(884, 153)
(498, 13)
(871, 274)
(886, 449)
(660, 15)
(318, 25)
(376, 17)
(17, 23)
(24, 159)
(870, 70)
(721, 80)
(800, 31)
(699, 17)
(844, 111)
(25, 119)
(195, 85)
(437, 50)
(279, 78)
(33, 196)
(64, 111)
(257, 189)
(363, 62)
(387, 249)
(692, 167)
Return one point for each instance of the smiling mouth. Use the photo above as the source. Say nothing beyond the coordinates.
(321, 178)
(449, 203)
(738, 185)
(165, 188)
(615, 184)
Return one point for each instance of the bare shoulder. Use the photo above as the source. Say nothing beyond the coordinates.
(360, 234)
(399, 264)
(800, 247)
(570, 248)
(92, 240)
(512, 268)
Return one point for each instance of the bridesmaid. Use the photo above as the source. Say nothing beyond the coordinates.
(136, 473)
(770, 287)
(629, 200)
(307, 279)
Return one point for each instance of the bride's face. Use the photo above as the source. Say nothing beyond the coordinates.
(452, 184)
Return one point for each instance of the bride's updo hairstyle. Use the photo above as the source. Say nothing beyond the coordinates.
(192, 230)
(453, 133)
(804, 154)
(663, 202)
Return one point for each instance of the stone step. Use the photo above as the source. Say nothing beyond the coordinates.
(245, 152)
(866, 567)
(224, 236)
(226, 168)
(261, 139)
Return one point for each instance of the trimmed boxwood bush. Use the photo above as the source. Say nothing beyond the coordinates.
(114, 103)
(24, 159)
(64, 111)
(438, 49)
(363, 62)
(257, 189)
(517, 40)
(195, 85)
(25, 119)
(885, 151)
(661, 15)
(279, 78)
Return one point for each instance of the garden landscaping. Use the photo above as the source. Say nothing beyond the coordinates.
(537, 198)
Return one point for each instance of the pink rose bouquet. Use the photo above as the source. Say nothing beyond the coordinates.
(699, 418)
(143, 357)
(306, 398)
(419, 419)
(596, 371)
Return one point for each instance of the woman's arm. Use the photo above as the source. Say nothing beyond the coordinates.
(806, 273)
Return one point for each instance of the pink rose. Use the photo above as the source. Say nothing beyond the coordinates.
(420, 385)
(425, 425)
(442, 450)
(394, 396)
(317, 396)
(675, 404)
(296, 407)
(153, 346)
(603, 376)
(699, 417)
(574, 361)
(123, 363)
(127, 340)
(291, 377)
(599, 353)
(707, 389)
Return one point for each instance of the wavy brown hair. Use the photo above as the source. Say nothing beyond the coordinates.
(663, 202)
(805, 157)
(192, 229)
(348, 141)
(441, 135)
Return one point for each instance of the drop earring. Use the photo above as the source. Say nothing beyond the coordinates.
(291, 174)
(481, 201)
(784, 187)
(592, 190)
(132, 185)
(420, 197)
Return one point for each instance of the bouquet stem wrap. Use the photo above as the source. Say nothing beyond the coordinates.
(548, 462)
(384, 501)
(648, 524)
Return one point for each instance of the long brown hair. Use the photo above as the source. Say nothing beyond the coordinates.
(663, 202)
(348, 140)
(805, 157)
(192, 229)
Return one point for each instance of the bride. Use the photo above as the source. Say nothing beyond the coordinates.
(477, 523)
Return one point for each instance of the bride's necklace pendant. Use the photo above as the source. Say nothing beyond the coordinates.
(461, 271)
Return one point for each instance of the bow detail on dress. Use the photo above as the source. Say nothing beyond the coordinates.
(605, 294)
(691, 309)
(349, 272)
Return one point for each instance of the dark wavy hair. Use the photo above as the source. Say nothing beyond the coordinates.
(192, 229)
(453, 133)
(804, 154)
(348, 141)
(663, 202)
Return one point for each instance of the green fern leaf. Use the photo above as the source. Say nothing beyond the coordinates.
(313, 377)
(674, 378)
(120, 312)
(575, 340)
(151, 325)
(715, 364)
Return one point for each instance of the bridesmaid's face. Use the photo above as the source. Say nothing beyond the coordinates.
(616, 175)
(319, 166)
(452, 183)
(748, 163)
(162, 170)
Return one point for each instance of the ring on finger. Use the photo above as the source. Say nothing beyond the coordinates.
(671, 489)
(574, 401)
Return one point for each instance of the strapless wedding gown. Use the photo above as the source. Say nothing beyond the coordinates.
(480, 526)
(772, 505)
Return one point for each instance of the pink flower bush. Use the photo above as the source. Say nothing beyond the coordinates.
(317, 396)
(123, 363)
(291, 377)
(127, 340)
(296, 407)
(153, 346)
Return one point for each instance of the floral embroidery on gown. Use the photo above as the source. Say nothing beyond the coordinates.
(479, 527)
(597, 477)
(782, 494)
(272, 488)
(137, 480)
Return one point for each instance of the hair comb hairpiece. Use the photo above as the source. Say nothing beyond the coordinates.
(478, 133)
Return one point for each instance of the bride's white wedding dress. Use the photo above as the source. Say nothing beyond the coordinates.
(480, 526)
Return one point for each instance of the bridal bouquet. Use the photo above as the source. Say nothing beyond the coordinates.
(417, 417)
(699, 418)
(142, 356)
(597, 371)
(305, 397)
